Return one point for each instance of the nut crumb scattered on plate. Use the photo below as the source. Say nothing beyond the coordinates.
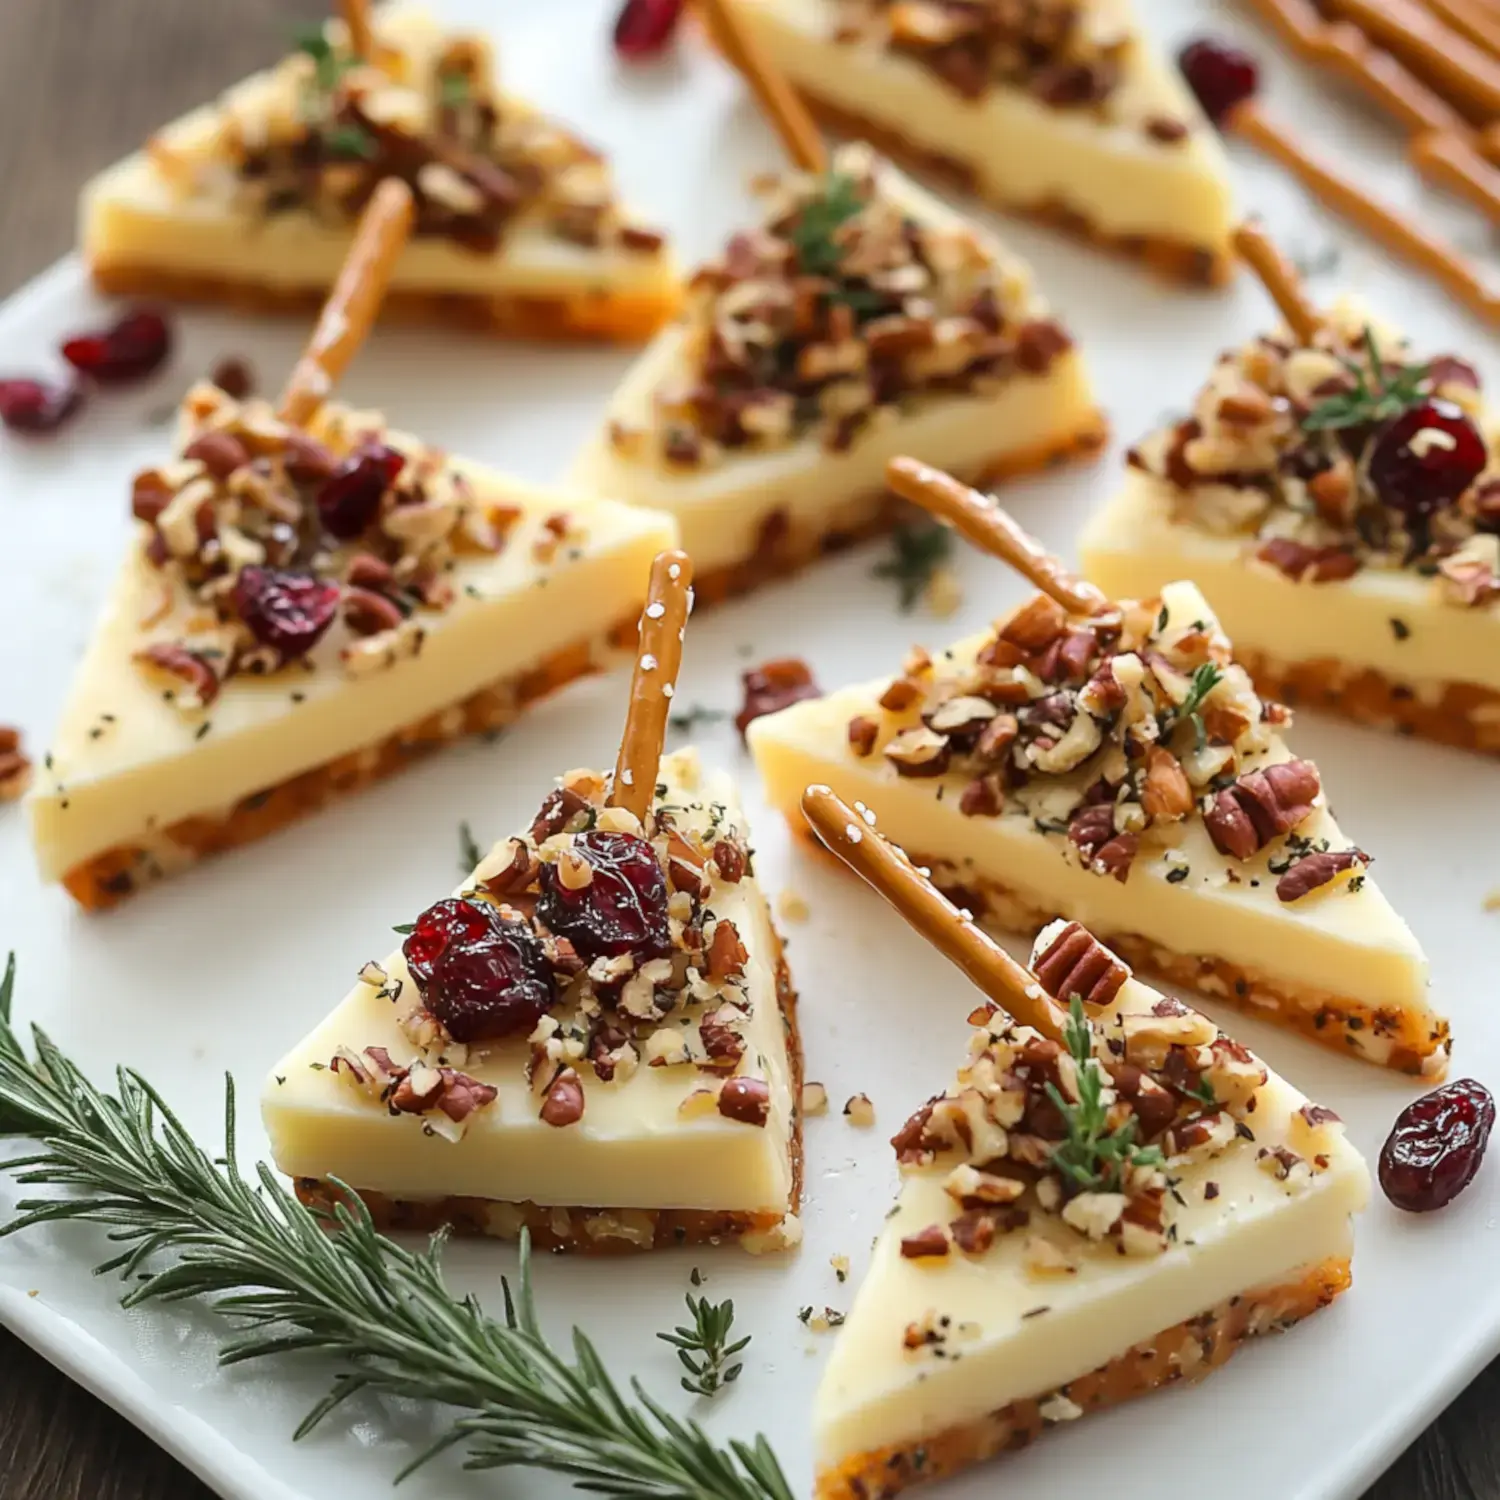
(859, 1111)
(814, 1099)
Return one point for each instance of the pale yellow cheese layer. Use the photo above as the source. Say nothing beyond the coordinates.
(125, 763)
(631, 1149)
(1256, 1233)
(1132, 546)
(1349, 942)
(1023, 152)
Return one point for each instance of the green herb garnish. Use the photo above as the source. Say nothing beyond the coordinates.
(454, 90)
(1205, 680)
(812, 235)
(686, 720)
(349, 140)
(704, 1349)
(917, 552)
(189, 1225)
(469, 852)
(1377, 397)
(1092, 1156)
(329, 66)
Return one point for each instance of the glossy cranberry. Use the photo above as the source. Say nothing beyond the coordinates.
(350, 497)
(286, 611)
(773, 686)
(645, 27)
(1426, 458)
(38, 405)
(129, 349)
(481, 974)
(1220, 74)
(1435, 1146)
(623, 908)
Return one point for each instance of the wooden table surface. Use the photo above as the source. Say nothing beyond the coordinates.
(80, 80)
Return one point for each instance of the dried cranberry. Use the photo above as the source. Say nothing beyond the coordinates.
(1435, 1146)
(644, 27)
(351, 495)
(38, 405)
(129, 349)
(481, 974)
(623, 908)
(286, 611)
(1220, 74)
(772, 686)
(1419, 478)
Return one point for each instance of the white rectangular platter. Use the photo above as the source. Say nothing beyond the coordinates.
(221, 970)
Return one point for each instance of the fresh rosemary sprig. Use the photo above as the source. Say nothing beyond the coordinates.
(192, 1226)
(1205, 679)
(917, 552)
(1094, 1157)
(812, 235)
(469, 852)
(1376, 397)
(704, 1348)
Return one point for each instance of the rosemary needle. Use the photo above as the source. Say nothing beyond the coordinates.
(193, 1226)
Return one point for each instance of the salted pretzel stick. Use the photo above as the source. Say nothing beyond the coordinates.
(981, 520)
(1254, 247)
(1379, 222)
(356, 14)
(1471, 21)
(785, 110)
(345, 321)
(669, 599)
(952, 932)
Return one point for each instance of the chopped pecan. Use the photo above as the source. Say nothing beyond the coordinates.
(731, 860)
(564, 1102)
(1261, 806)
(1166, 795)
(747, 1100)
(1075, 962)
(508, 869)
(1314, 871)
(862, 735)
(909, 1143)
(722, 1042)
(1038, 343)
(996, 738)
(1036, 624)
(221, 453)
(918, 752)
(558, 810)
(900, 695)
(772, 686)
(369, 613)
(366, 571)
(984, 797)
(1300, 562)
(926, 1244)
(15, 765)
(726, 953)
(188, 666)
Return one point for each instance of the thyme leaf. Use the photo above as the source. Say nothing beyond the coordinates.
(469, 852)
(813, 234)
(704, 1348)
(917, 552)
(1377, 396)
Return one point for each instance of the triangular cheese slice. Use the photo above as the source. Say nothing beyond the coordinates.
(1307, 552)
(860, 319)
(1121, 771)
(1007, 1293)
(635, 1092)
(252, 200)
(1063, 112)
(278, 637)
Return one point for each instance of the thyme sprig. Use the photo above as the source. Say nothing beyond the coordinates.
(1190, 711)
(1377, 396)
(813, 235)
(193, 1226)
(917, 552)
(704, 1348)
(1093, 1156)
(469, 852)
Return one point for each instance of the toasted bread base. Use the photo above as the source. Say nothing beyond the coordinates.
(1186, 1351)
(592, 315)
(108, 878)
(784, 548)
(1462, 714)
(1174, 259)
(606, 1231)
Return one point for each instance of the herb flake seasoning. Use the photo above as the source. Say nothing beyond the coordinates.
(917, 552)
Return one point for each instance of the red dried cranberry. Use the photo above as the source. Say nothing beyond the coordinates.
(623, 908)
(1418, 479)
(286, 611)
(644, 27)
(129, 349)
(1435, 1146)
(351, 495)
(38, 405)
(772, 686)
(481, 974)
(1220, 74)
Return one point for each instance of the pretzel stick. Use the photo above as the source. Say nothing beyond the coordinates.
(980, 519)
(1470, 21)
(345, 321)
(783, 107)
(1379, 222)
(952, 932)
(356, 14)
(1280, 280)
(669, 600)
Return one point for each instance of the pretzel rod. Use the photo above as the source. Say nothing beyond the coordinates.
(345, 321)
(669, 600)
(783, 107)
(980, 519)
(356, 14)
(853, 839)
(1449, 160)
(1280, 279)
(1379, 222)
(1471, 22)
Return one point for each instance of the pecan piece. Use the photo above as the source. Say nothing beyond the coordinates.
(722, 1041)
(1075, 962)
(564, 1102)
(1036, 624)
(984, 797)
(1261, 806)
(747, 1100)
(15, 765)
(369, 613)
(726, 953)
(862, 735)
(1315, 564)
(1313, 871)
(772, 686)
(188, 666)
(558, 809)
(730, 857)
(1166, 795)
(926, 1244)
(221, 453)
(918, 752)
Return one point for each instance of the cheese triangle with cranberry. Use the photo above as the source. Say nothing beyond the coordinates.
(1079, 1224)
(859, 319)
(1122, 771)
(1338, 497)
(252, 200)
(1062, 109)
(595, 1038)
(301, 612)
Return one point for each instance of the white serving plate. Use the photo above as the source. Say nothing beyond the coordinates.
(221, 970)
